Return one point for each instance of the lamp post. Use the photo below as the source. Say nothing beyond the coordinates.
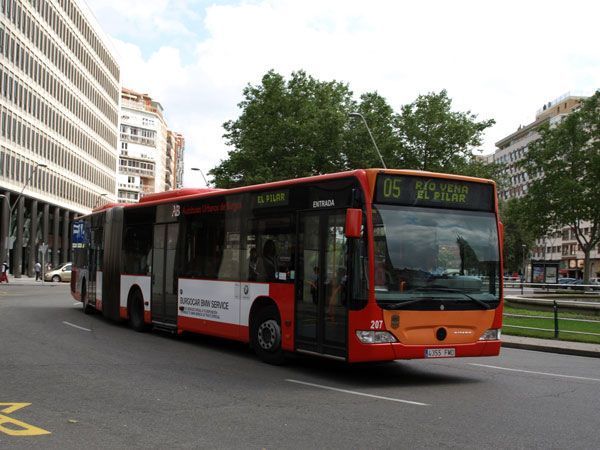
(12, 207)
(100, 197)
(523, 247)
(197, 169)
(357, 114)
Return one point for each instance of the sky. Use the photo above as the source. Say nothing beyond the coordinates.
(500, 60)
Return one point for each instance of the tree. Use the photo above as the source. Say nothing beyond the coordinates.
(435, 138)
(302, 127)
(286, 130)
(358, 146)
(518, 237)
(564, 164)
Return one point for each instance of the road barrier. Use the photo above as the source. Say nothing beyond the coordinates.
(555, 319)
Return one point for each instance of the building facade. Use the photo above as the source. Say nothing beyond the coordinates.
(179, 142)
(59, 98)
(148, 160)
(558, 247)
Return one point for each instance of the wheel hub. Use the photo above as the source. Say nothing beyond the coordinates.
(269, 335)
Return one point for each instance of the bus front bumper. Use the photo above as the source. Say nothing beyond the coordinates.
(388, 352)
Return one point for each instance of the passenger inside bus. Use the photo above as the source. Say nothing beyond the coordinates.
(268, 264)
(253, 265)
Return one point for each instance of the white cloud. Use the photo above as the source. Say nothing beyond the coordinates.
(501, 60)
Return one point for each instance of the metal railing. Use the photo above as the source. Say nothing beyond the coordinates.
(555, 319)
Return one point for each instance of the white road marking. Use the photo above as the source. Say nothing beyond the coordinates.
(76, 326)
(536, 373)
(345, 391)
(77, 304)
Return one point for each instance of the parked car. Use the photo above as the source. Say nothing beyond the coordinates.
(579, 284)
(62, 273)
(566, 280)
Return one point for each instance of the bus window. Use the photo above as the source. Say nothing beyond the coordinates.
(137, 250)
(212, 243)
(270, 250)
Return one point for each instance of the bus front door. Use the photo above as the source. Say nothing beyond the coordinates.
(164, 286)
(321, 314)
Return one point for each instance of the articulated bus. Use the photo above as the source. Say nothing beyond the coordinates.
(367, 265)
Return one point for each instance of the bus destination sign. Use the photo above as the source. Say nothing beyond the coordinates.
(272, 198)
(435, 192)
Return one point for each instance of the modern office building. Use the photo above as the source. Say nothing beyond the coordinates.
(59, 98)
(558, 247)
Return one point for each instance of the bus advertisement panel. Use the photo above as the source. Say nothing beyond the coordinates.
(368, 265)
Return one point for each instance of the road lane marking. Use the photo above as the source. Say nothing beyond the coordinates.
(345, 391)
(76, 326)
(17, 428)
(537, 373)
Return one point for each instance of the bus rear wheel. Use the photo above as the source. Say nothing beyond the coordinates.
(87, 308)
(136, 312)
(266, 335)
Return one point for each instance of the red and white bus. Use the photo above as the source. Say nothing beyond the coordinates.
(367, 265)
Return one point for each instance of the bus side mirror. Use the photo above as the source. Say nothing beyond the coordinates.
(353, 222)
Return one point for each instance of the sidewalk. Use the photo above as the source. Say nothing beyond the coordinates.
(28, 281)
(551, 346)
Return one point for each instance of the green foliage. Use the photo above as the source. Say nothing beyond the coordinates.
(302, 127)
(286, 130)
(564, 165)
(434, 137)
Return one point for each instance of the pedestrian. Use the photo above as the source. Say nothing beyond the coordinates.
(38, 271)
(4, 272)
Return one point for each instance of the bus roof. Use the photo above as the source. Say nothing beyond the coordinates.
(368, 176)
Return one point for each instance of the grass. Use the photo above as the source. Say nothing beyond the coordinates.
(564, 326)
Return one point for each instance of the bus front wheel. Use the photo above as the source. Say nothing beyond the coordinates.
(266, 335)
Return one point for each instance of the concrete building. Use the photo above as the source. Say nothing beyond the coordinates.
(150, 153)
(143, 147)
(559, 246)
(179, 143)
(59, 99)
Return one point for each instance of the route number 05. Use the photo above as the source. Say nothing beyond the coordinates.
(391, 188)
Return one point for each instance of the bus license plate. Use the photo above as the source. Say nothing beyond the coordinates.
(440, 353)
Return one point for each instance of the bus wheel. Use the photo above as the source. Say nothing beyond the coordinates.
(266, 335)
(136, 312)
(87, 308)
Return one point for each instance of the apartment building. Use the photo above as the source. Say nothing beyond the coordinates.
(150, 153)
(59, 114)
(558, 247)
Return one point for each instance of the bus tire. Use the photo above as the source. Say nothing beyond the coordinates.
(136, 312)
(266, 335)
(87, 308)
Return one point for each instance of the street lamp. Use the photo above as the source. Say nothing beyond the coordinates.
(100, 197)
(197, 169)
(357, 114)
(11, 208)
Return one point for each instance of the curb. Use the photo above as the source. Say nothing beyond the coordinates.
(552, 349)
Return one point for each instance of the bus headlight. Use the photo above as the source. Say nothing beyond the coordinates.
(493, 334)
(375, 337)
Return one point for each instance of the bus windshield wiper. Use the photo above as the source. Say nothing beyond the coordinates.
(456, 291)
(400, 305)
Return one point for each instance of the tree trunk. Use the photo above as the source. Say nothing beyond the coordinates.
(587, 265)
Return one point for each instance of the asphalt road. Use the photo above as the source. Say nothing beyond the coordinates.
(103, 385)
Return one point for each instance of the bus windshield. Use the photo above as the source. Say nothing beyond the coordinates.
(428, 258)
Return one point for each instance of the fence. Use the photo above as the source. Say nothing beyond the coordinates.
(555, 319)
